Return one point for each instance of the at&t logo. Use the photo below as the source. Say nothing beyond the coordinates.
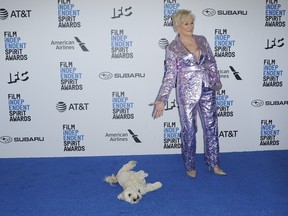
(62, 107)
(4, 14)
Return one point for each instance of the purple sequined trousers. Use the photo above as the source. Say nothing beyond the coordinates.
(206, 107)
(196, 81)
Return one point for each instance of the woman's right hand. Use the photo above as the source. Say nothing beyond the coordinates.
(158, 109)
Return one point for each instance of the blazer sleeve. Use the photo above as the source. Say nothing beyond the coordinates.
(214, 77)
(169, 78)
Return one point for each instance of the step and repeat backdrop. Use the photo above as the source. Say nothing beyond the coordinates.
(77, 76)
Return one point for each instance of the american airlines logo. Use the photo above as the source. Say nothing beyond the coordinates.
(134, 136)
(235, 73)
(81, 44)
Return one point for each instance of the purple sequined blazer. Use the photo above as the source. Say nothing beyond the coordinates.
(189, 73)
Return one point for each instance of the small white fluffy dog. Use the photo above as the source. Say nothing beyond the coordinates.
(133, 183)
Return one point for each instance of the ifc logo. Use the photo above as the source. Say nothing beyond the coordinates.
(61, 106)
(3, 14)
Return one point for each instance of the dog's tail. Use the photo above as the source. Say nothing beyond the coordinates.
(111, 179)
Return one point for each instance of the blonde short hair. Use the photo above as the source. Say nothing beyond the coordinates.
(181, 16)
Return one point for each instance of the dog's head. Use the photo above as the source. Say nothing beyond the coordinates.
(131, 195)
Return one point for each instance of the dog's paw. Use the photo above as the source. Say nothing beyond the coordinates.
(158, 184)
(133, 163)
(111, 179)
(142, 173)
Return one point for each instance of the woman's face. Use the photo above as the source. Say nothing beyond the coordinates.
(186, 27)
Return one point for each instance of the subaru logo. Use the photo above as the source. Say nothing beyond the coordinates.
(6, 139)
(209, 12)
(105, 75)
(257, 103)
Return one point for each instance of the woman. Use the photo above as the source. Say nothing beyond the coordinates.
(191, 65)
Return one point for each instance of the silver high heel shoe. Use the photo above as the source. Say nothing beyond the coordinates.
(218, 171)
